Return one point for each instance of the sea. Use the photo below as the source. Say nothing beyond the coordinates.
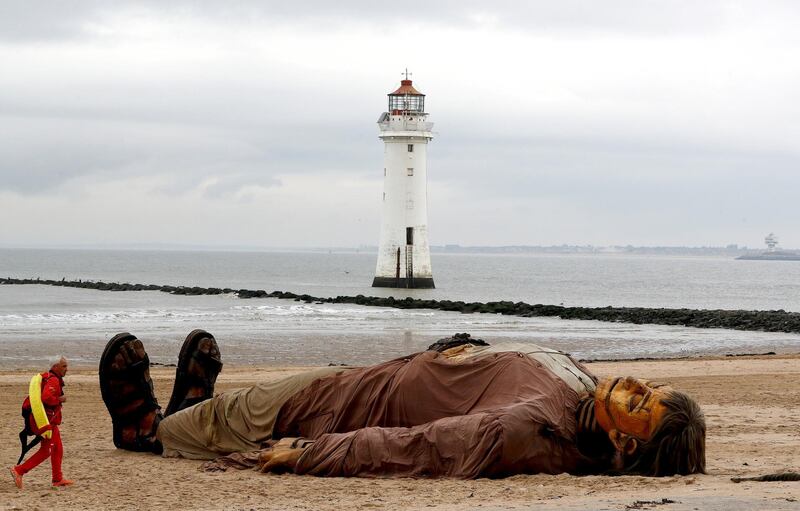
(37, 321)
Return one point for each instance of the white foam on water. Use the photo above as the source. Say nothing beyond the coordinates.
(268, 330)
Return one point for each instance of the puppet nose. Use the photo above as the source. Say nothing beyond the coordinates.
(632, 383)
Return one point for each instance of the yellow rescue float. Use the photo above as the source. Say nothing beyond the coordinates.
(37, 407)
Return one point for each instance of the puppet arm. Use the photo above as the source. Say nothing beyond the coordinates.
(465, 446)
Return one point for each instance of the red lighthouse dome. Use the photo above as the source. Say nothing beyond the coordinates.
(406, 100)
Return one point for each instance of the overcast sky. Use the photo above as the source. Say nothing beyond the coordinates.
(254, 123)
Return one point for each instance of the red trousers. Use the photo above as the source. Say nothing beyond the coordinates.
(49, 448)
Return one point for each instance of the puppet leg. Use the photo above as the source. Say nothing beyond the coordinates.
(127, 391)
(199, 363)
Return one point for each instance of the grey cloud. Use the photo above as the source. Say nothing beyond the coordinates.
(638, 188)
(54, 19)
(36, 156)
(228, 184)
(39, 154)
(190, 129)
(23, 21)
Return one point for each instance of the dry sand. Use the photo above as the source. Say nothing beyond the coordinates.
(751, 405)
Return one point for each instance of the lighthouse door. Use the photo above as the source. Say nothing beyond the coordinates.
(409, 257)
(397, 276)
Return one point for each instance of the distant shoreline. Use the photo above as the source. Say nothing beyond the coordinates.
(764, 321)
(732, 251)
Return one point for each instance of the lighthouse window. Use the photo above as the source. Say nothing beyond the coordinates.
(384, 195)
(384, 171)
(410, 171)
(409, 235)
(410, 148)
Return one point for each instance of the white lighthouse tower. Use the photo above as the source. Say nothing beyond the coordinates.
(404, 257)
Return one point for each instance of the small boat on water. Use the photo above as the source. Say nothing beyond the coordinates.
(772, 253)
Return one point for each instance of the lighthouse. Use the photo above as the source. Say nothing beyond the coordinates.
(404, 256)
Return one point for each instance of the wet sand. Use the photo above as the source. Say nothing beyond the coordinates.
(750, 404)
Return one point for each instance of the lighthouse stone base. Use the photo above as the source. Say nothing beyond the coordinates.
(415, 283)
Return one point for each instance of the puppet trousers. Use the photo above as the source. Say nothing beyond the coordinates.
(235, 421)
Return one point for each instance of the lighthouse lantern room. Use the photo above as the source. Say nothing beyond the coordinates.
(404, 256)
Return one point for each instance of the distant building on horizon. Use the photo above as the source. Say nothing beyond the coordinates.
(404, 256)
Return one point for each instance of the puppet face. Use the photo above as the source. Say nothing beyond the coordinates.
(630, 406)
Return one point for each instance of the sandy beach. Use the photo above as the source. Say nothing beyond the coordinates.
(750, 405)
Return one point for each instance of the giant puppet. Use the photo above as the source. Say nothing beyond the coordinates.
(459, 410)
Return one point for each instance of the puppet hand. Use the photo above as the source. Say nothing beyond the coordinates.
(283, 456)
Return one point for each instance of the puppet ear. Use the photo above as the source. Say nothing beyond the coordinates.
(631, 444)
(622, 442)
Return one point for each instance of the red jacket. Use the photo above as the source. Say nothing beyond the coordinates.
(52, 389)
